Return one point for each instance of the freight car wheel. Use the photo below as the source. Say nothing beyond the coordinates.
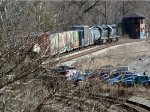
(111, 40)
(100, 42)
(117, 39)
(104, 41)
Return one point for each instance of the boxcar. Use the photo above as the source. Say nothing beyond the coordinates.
(69, 40)
(75, 40)
(91, 36)
(64, 36)
(44, 43)
(80, 30)
(60, 43)
(84, 39)
(54, 43)
(81, 38)
(86, 35)
(92, 33)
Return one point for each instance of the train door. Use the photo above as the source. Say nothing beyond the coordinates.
(75, 39)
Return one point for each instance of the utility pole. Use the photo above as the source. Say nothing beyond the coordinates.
(105, 12)
(123, 8)
(123, 12)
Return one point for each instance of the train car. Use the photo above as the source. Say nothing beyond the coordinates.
(32, 38)
(81, 38)
(81, 35)
(75, 40)
(104, 37)
(87, 35)
(97, 34)
(54, 43)
(61, 42)
(91, 36)
(114, 32)
(69, 40)
(64, 41)
(84, 35)
(44, 43)
(104, 33)
(109, 33)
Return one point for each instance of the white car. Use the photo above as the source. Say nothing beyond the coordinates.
(71, 72)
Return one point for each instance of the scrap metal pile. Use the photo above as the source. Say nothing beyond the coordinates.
(111, 76)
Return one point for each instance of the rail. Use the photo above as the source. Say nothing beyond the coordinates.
(130, 105)
(94, 49)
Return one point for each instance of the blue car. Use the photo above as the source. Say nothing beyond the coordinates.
(119, 79)
(146, 83)
(105, 77)
(129, 81)
(80, 77)
(139, 79)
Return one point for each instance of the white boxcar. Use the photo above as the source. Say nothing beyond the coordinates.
(62, 42)
(69, 40)
(86, 35)
(54, 43)
(91, 36)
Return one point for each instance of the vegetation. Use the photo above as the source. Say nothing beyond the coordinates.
(26, 86)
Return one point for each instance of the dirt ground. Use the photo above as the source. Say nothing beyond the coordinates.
(137, 62)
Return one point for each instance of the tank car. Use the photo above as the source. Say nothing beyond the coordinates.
(104, 33)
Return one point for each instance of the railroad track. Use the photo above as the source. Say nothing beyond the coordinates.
(95, 49)
(93, 46)
(138, 107)
(79, 104)
(81, 52)
(95, 102)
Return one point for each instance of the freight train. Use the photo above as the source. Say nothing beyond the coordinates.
(81, 36)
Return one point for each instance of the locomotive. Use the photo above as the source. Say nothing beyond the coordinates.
(81, 36)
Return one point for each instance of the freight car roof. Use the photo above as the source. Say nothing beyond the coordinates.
(134, 15)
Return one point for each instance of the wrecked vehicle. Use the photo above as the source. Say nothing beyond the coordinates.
(119, 79)
(62, 69)
(146, 83)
